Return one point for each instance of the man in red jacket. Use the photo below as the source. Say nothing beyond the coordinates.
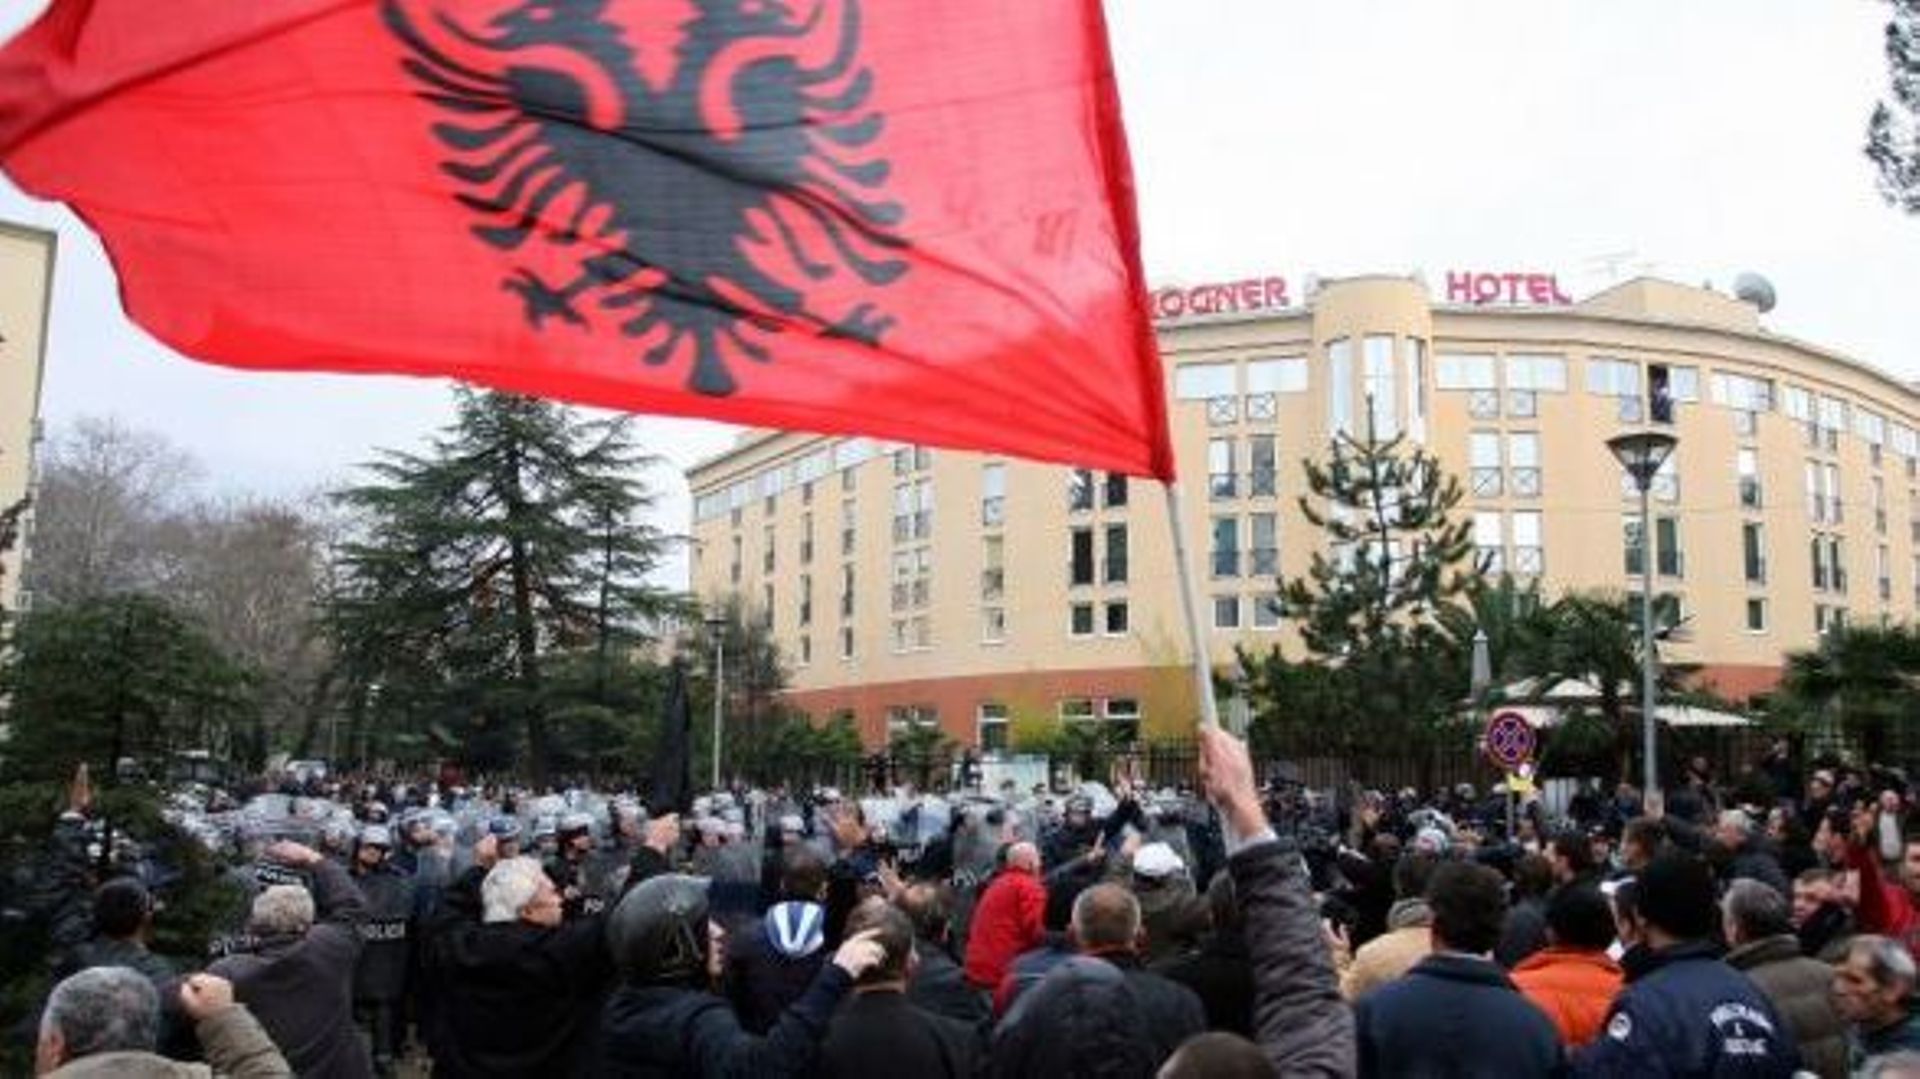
(1886, 907)
(1008, 920)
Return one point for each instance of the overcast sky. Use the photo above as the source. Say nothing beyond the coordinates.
(1692, 140)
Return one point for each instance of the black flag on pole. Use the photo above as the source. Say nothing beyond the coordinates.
(672, 787)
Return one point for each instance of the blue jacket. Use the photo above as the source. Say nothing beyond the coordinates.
(1684, 1012)
(1453, 1016)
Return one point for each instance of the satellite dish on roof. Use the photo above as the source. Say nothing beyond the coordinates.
(1756, 290)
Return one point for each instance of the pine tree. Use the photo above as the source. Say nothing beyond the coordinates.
(1893, 133)
(516, 538)
(1382, 669)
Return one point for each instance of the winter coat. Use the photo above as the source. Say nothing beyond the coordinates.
(770, 967)
(1453, 1015)
(1170, 1011)
(1752, 861)
(1299, 1018)
(1391, 954)
(1006, 922)
(1863, 1046)
(1221, 975)
(513, 998)
(1174, 917)
(882, 1033)
(1686, 1013)
(1885, 906)
(657, 1032)
(1084, 1012)
(381, 974)
(1825, 933)
(1801, 991)
(235, 1046)
(1573, 987)
(301, 988)
(940, 987)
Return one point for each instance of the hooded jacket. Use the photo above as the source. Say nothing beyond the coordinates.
(1453, 1015)
(1082, 1020)
(1299, 1018)
(1686, 1013)
(661, 1031)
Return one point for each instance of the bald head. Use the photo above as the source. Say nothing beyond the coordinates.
(1024, 856)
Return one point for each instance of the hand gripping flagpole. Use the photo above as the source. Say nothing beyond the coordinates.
(1190, 602)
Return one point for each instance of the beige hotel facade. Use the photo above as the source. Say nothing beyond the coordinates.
(914, 585)
(26, 289)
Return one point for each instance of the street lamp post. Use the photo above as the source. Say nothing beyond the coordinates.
(717, 626)
(1642, 453)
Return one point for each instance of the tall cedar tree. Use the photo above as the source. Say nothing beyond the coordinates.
(1893, 133)
(516, 538)
(1382, 668)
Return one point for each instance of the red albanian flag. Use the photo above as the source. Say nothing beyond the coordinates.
(887, 217)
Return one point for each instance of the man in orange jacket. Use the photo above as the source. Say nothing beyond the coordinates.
(1573, 980)
(1009, 918)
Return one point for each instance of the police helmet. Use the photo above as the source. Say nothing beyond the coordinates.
(658, 932)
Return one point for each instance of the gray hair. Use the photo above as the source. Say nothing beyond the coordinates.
(1888, 960)
(510, 885)
(1757, 910)
(104, 1010)
(1899, 1064)
(1738, 820)
(283, 910)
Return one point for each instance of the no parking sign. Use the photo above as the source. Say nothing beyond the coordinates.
(1510, 740)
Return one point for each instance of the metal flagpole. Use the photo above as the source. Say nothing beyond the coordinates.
(1202, 668)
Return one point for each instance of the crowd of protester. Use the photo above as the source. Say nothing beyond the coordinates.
(1766, 928)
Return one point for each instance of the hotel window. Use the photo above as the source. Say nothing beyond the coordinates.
(766, 549)
(1816, 492)
(1226, 612)
(1530, 376)
(1634, 543)
(1263, 544)
(1285, 375)
(1669, 560)
(1456, 371)
(1340, 386)
(846, 642)
(1916, 580)
(1879, 505)
(766, 605)
(902, 512)
(1666, 479)
(1116, 618)
(903, 718)
(1203, 381)
(1668, 611)
(734, 569)
(1417, 389)
(1826, 619)
(1489, 542)
(1220, 468)
(1079, 490)
(1833, 420)
(1077, 709)
(1747, 469)
(1080, 565)
(993, 573)
(846, 592)
(1523, 457)
(1835, 506)
(1618, 379)
(806, 538)
(1872, 429)
(1116, 491)
(806, 599)
(1753, 549)
(1263, 468)
(1797, 405)
(1226, 546)
(1124, 714)
(847, 518)
(1756, 615)
(1529, 555)
(1378, 386)
(993, 625)
(993, 727)
(1883, 572)
(1080, 619)
(993, 495)
(923, 509)
(1116, 554)
(1483, 451)
(806, 649)
(1906, 443)
(1266, 611)
(1741, 393)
